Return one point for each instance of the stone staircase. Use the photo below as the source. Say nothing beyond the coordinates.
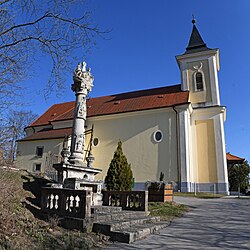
(124, 226)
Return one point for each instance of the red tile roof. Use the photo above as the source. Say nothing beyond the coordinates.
(234, 158)
(53, 112)
(48, 134)
(120, 103)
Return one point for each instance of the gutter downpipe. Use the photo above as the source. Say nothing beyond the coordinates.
(177, 146)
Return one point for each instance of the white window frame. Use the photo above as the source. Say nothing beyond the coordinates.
(154, 136)
(203, 81)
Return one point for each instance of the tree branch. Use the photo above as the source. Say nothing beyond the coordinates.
(26, 24)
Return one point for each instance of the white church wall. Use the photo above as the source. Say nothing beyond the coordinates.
(27, 153)
(62, 124)
(136, 130)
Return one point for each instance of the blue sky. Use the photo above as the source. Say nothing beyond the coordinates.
(140, 50)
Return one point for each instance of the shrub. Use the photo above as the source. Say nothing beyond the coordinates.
(119, 176)
(238, 176)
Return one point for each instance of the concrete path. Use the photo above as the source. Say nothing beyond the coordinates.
(211, 224)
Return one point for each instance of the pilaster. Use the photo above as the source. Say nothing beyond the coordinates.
(184, 147)
(221, 154)
(184, 76)
(214, 80)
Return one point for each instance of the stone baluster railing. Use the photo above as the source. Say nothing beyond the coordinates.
(66, 202)
(128, 200)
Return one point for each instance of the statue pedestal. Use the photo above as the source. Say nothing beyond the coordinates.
(68, 170)
(80, 177)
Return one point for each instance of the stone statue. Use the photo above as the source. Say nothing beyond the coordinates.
(81, 109)
(83, 80)
(65, 150)
(84, 64)
(79, 143)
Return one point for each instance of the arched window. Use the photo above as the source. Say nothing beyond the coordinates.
(199, 81)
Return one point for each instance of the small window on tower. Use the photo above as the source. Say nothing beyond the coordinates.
(199, 81)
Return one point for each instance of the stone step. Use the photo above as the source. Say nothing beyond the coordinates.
(105, 209)
(106, 227)
(105, 217)
(136, 232)
(124, 226)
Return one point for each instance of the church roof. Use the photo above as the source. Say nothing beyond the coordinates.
(119, 103)
(48, 134)
(196, 43)
(234, 159)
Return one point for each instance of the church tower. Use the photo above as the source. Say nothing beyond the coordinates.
(202, 150)
(199, 67)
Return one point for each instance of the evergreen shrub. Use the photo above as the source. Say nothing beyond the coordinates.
(119, 176)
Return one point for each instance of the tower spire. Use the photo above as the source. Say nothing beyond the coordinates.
(196, 42)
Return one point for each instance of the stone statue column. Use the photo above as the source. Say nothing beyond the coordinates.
(83, 83)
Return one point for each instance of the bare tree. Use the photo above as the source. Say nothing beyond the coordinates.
(55, 28)
(12, 130)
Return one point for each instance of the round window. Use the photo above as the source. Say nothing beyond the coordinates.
(158, 136)
(95, 142)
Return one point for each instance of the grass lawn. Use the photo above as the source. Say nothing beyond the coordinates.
(167, 210)
(199, 195)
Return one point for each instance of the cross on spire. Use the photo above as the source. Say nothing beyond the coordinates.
(196, 42)
(193, 20)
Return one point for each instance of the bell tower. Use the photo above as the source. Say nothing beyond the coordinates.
(199, 67)
(201, 139)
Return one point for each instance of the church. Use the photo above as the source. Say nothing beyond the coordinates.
(175, 130)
